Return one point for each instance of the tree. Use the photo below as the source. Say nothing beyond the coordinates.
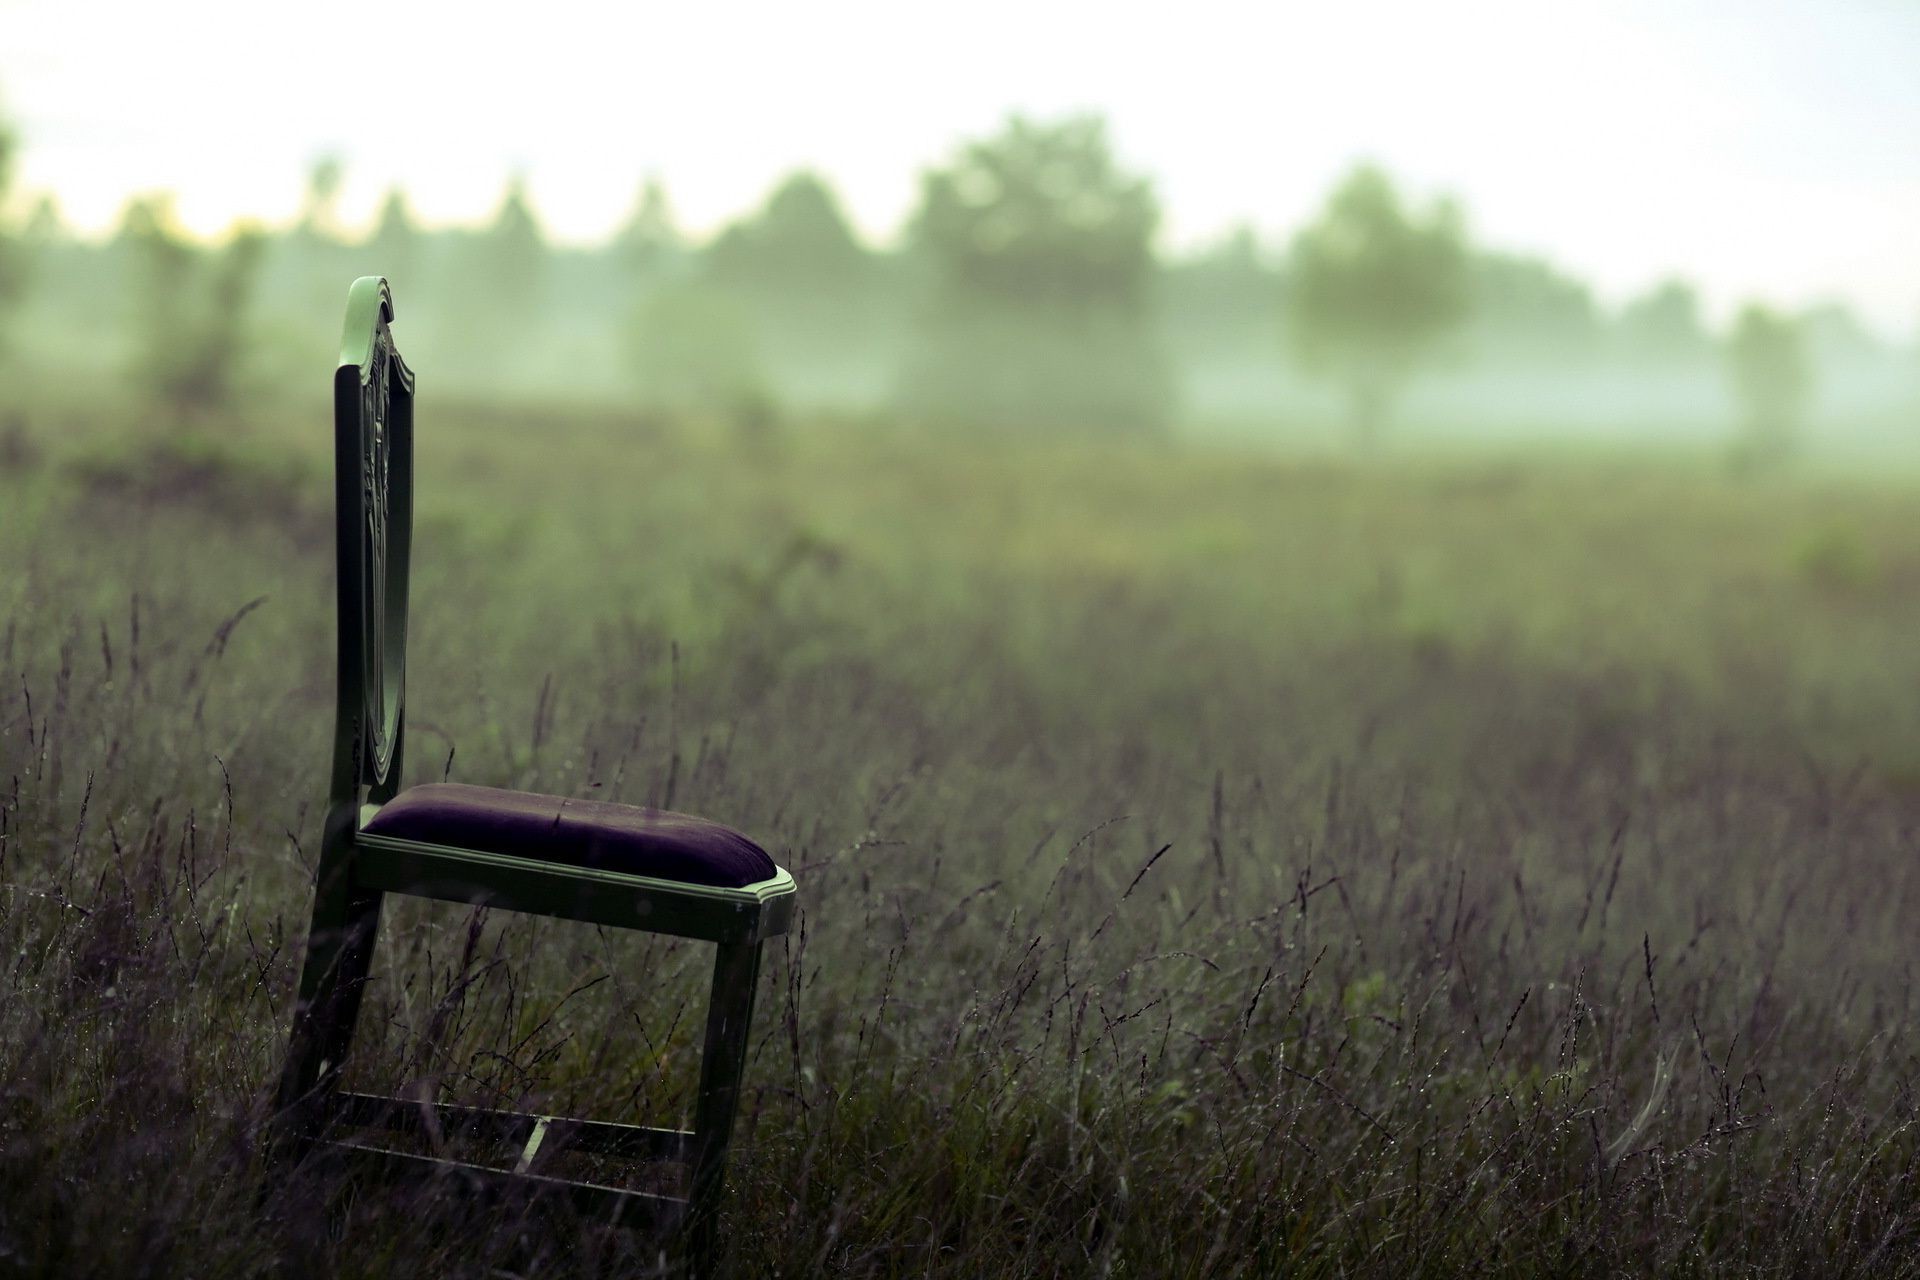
(1372, 291)
(394, 246)
(497, 281)
(1835, 338)
(1223, 303)
(192, 301)
(46, 225)
(319, 207)
(12, 262)
(513, 251)
(1525, 312)
(1036, 250)
(649, 244)
(798, 243)
(1662, 326)
(1772, 381)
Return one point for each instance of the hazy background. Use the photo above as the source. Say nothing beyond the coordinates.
(1066, 219)
(1321, 601)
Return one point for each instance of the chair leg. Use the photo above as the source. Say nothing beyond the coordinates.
(736, 971)
(339, 955)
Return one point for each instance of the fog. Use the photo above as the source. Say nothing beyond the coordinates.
(1027, 293)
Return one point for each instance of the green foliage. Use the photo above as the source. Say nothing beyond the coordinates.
(649, 243)
(799, 243)
(1771, 376)
(12, 257)
(1027, 294)
(1372, 291)
(192, 306)
(512, 255)
(1663, 326)
(1040, 215)
(395, 245)
(319, 206)
(1038, 254)
(1523, 311)
(1223, 303)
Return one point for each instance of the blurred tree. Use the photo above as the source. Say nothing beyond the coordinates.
(1224, 302)
(1522, 311)
(319, 207)
(1663, 327)
(45, 224)
(1772, 381)
(811, 288)
(649, 243)
(1037, 254)
(494, 291)
(308, 267)
(12, 257)
(393, 249)
(1373, 290)
(514, 252)
(192, 304)
(1836, 339)
(798, 243)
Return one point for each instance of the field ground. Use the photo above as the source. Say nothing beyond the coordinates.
(1537, 896)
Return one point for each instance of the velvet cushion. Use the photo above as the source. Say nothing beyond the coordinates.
(581, 833)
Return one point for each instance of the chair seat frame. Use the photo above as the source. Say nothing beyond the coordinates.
(373, 454)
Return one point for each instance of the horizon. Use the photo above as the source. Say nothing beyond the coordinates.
(1765, 158)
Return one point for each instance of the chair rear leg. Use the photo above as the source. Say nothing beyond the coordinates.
(736, 973)
(339, 955)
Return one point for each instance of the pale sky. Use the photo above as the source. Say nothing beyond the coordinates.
(1762, 149)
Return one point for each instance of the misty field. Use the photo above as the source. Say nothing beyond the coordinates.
(1211, 864)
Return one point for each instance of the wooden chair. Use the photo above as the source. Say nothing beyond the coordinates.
(605, 863)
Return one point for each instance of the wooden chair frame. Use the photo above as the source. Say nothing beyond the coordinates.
(373, 470)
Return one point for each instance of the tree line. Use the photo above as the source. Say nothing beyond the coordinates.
(1025, 293)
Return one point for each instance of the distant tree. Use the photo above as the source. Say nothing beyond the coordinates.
(1037, 254)
(1835, 337)
(808, 285)
(319, 207)
(1224, 301)
(192, 309)
(393, 250)
(12, 257)
(1373, 290)
(1523, 311)
(649, 243)
(45, 225)
(513, 251)
(1663, 326)
(1772, 380)
(798, 242)
(497, 283)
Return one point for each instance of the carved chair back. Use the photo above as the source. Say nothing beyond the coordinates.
(373, 504)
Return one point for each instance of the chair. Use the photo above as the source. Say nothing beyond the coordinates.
(604, 863)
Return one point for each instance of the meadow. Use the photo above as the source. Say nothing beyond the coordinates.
(1212, 863)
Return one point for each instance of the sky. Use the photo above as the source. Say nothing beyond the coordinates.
(1762, 150)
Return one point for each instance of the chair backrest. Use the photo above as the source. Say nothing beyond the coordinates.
(373, 540)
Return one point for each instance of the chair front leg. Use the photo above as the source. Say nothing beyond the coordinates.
(339, 955)
(736, 973)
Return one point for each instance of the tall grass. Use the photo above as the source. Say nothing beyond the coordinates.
(1210, 865)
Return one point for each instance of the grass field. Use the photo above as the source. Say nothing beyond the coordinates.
(1211, 864)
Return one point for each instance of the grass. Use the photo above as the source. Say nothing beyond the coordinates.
(1211, 864)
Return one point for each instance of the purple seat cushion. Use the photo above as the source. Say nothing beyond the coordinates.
(581, 833)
